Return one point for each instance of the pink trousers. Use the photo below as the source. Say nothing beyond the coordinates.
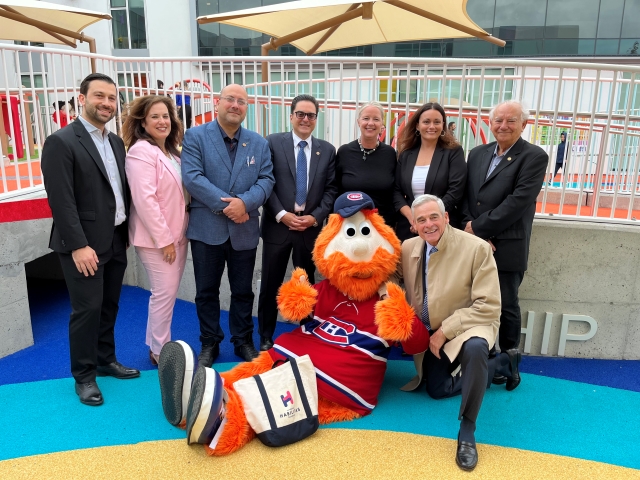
(165, 281)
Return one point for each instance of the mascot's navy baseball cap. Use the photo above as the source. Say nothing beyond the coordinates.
(351, 202)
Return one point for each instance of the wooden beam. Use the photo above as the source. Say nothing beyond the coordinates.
(48, 32)
(445, 21)
(328, 33)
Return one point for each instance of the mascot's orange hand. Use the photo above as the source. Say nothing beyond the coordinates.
(394, 316)
(297, 298)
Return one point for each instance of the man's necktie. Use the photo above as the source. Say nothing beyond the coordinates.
(425, 305)
(301, 175)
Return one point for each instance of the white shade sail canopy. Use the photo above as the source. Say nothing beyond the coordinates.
(18, 20)
(316, 26)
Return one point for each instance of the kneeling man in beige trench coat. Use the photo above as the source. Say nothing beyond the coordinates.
(461, 309)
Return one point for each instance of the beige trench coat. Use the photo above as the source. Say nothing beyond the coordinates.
(464, 292)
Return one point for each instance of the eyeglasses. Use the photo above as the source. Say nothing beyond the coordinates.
(240, 101)
(310, 116)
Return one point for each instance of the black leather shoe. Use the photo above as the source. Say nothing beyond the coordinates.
(208, 354)
(89, 393)
(499, 379)
(265, 343)
(514, 359)
(117, 370)
(246, 351)
(466, 456)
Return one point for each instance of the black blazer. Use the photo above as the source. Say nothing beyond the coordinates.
(501, 207)
(321, 194)
(78, 189)
(446, 179)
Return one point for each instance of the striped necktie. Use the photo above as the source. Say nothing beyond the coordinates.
(301, 175)
(425, 304)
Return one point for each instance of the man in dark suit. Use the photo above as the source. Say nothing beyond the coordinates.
(303, 196)
(503, 181)
(227, 170)
(83, 167)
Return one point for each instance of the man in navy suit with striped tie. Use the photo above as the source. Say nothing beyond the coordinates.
(303, 196)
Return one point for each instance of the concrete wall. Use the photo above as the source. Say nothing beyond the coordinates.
(581, 268)
(20, 242)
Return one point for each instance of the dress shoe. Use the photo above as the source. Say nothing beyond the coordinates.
(499, 379)
(117, 370)
(514, 359)
(466, 456)
(265, 343)
(154, 358)
(246, 351)
(89, 393)
(208, 354)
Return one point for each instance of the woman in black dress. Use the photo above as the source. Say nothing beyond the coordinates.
(430, 160)
(368, 165)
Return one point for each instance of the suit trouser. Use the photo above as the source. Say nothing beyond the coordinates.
(510, 317)
(164, 280)
(275, 258)
(208, 267)
(94, 308)
(474, 377)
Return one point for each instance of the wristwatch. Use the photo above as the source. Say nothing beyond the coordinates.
(315, 223)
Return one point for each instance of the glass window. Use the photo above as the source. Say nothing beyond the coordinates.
(128, 24)
(607, 47)
(518, 13)
(206, 7)
(569, 46)
(568, 19)
(407, 49)
(631, 19)
(526, 48)
(629, 46)
(431, 49)
(481, 12)
(610, 19)
(471, 48)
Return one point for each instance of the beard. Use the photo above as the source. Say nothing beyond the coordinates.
(91, 111)
(358, 280)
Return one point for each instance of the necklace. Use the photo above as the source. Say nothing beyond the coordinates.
(366, 152)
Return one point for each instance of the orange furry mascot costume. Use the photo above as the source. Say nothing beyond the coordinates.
(345, 328)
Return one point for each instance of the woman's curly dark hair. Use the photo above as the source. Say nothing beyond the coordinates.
(132, 129)
(408, 138)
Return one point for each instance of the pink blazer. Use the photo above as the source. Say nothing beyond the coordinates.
(157, 217)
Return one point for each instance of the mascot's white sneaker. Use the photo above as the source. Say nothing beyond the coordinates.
(206, 412)
(175, 373)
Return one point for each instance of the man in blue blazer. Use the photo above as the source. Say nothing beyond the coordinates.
(227, 170)
(304, 168)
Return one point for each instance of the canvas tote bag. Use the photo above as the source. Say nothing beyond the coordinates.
(281, 405)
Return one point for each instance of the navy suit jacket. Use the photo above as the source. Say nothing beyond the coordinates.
(321, 190)
(208, 175)
(501, 207)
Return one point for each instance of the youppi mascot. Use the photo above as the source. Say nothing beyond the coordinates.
(348, 322)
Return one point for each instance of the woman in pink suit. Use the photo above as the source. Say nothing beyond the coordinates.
(158, 218)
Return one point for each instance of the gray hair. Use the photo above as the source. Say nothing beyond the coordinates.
(371, 104)
(426, 198)
(524, 111)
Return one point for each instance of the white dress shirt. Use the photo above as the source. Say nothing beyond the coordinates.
(101, 141)
(307, 153)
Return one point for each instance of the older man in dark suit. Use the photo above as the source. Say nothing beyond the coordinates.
(503, 182)
(304, 169)
(85, 180)
(227, 170)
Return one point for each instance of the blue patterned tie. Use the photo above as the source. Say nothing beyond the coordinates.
(301, 175)
(425, 304)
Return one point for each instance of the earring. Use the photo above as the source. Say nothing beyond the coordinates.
(417, 133)
(443, 133)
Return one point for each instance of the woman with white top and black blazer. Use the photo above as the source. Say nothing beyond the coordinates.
(159, 218)
(430, 161)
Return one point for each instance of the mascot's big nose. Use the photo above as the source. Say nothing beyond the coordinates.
(360, 248)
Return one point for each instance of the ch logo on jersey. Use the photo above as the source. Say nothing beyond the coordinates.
(286, 399)
(334, 331)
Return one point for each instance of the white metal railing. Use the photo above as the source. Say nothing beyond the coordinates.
(597, 105)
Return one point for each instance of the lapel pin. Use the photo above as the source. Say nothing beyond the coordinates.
(317, 153)
(244, 145)
(508, 159)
